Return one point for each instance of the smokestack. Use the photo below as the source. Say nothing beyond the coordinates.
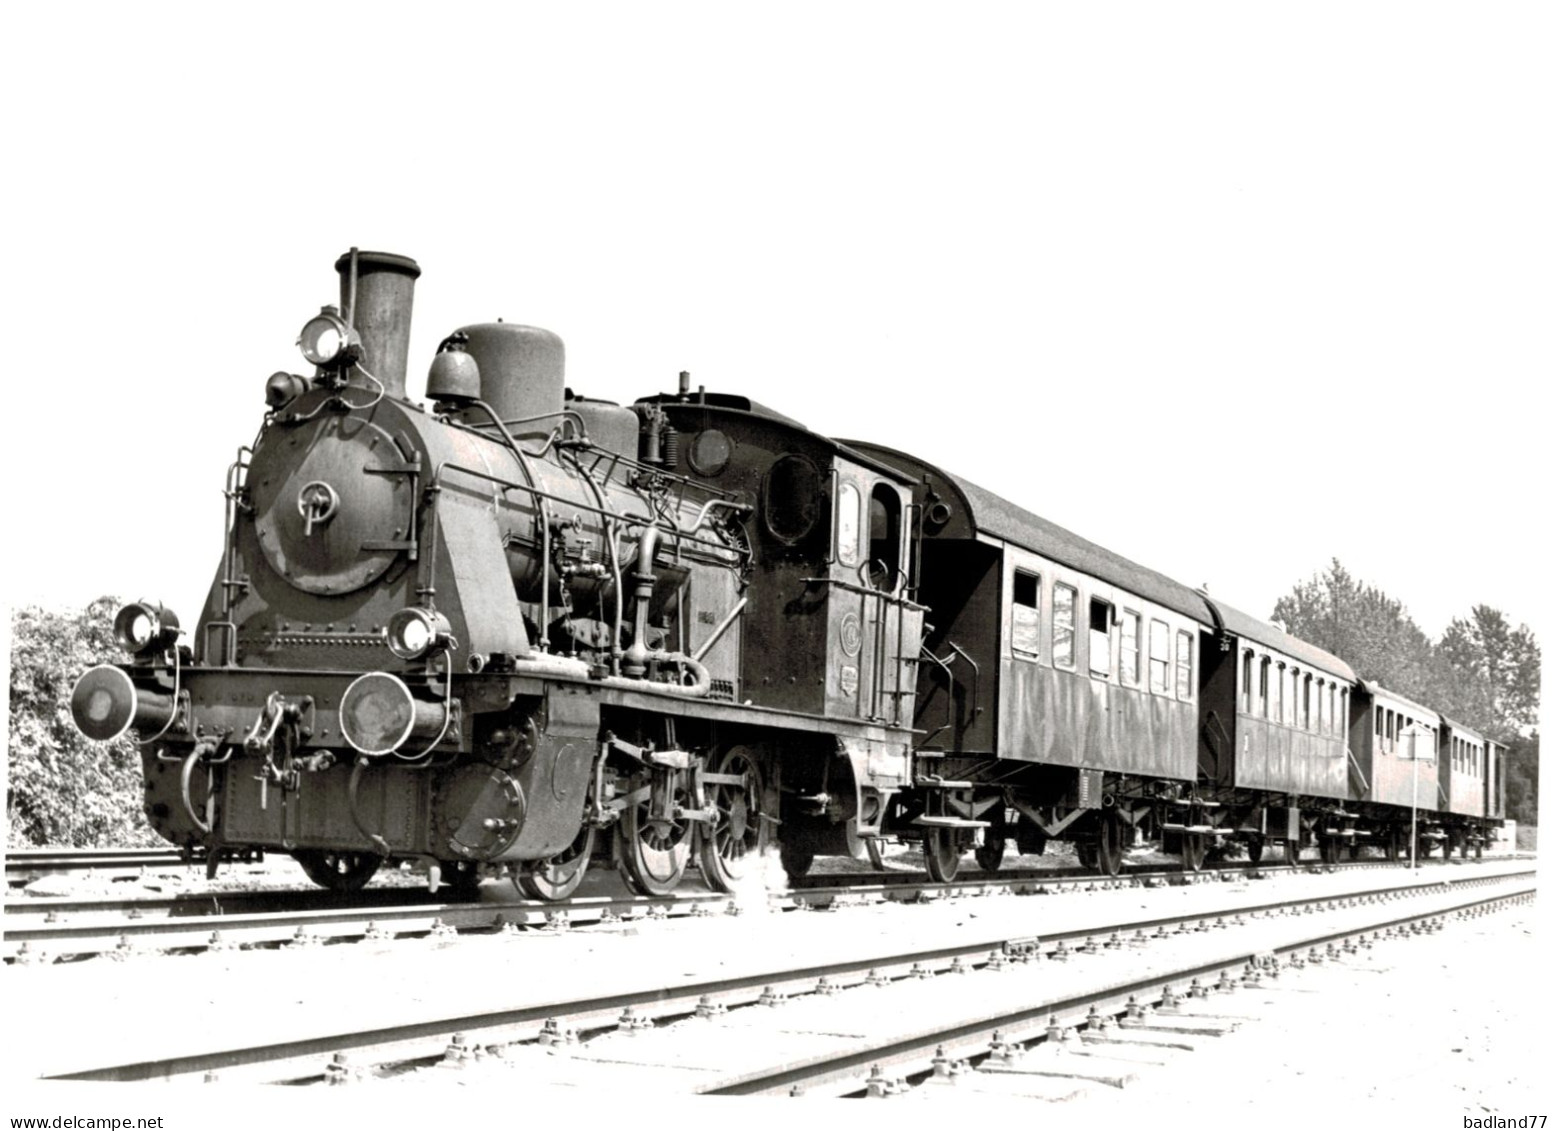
(376, 300)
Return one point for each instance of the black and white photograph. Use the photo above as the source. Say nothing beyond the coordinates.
(565, 561)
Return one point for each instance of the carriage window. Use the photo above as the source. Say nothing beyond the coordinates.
(1130, 649)
(885, 537)
(1024, 613)
(1278, 701)
(1248, 680)
(849, 524)
(1340, 721)
(1186, 669)
(1264, 711)
(1100, 613)
(1159, 657)
(1064, 626)
(1292, 703)
(1308, 702)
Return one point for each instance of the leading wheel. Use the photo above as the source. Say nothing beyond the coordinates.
(337, 871)
(942, 854)
(735, 838)
(652, 851)
(460, 880)
(556, 879)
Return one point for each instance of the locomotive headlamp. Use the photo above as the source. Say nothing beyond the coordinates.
(379, 715)
(145, 626)
(414, 633)
(326, 338)
(105, 703)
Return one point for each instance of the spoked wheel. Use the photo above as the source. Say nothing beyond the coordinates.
(652, 852)
(736, 837)
(556, 879)
(1256, 848)
(1291, 851)
(795, 858)
(1110, 844)
(942, 854)
(337, 871)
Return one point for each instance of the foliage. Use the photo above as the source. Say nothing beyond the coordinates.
(1482, 673)
(64, 789)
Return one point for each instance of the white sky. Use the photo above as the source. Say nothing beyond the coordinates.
(1229, 289)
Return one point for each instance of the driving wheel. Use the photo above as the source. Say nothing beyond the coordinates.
(652, 851)
(736, 837)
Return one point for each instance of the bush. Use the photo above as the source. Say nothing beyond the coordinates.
(64, 789)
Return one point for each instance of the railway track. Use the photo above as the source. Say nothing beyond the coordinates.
(800, 959)
(47, 929)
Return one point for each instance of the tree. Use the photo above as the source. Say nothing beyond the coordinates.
(64, 789)
(1482, 673)
(1503, 660)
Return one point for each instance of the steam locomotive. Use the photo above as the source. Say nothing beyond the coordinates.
(524, 630)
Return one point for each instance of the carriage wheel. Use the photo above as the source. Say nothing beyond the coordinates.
(652, 853)
(1292, 851)
(338, 871)
(1392, 845)
(1256, 848)
(1330, 850)
(988, 852)
(736, 837)
(1192, 852)
(942, 854)
(556, 879)
(795, 859)
(873, 850)
(1110, 844)
(1086, 854)
(1354, 850)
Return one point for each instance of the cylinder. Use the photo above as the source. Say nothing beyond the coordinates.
(521, 373)
(378, 303)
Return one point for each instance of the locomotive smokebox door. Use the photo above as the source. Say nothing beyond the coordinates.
(479, 811)
(334, 504)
